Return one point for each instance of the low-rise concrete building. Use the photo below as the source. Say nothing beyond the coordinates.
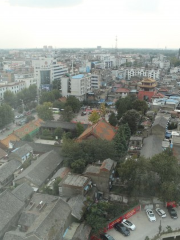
(103, 175)
(40, 170)
(7, 171)
(74, 185)
(21, 153)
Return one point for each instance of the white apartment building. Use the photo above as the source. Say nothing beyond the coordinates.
(95, 81)
(119, 74)
(46, 70)
(175, 70)
(78, 86)
(10, 65)
(28, 79)
(142, 72)
(14, 87)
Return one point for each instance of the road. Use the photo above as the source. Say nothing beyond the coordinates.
(146, 228)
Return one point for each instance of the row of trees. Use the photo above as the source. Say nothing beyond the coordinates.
(50, 99)
(23, 97)
(6, 115)
(158, 176)
(128, 103)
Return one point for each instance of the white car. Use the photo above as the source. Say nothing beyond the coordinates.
(128, 224)
(161, 212)
(150, 215)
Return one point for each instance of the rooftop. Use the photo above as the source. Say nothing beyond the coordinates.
(78, 76)
(101, 129)
(38, 175)
(75, 180)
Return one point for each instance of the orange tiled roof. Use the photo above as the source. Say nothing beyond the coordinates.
(102, 130)
(122, 90)
(11, 137)
(28, 128)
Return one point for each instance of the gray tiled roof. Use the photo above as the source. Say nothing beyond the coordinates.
(9, 207)
(8, 169)
(162, 121)
(63, 125)
(22, 151)
(53, 217)
(77, 204)
(82, 232)
(37, 147)
(38, 172)
(23, 191)
(14, 235)
(152, 146)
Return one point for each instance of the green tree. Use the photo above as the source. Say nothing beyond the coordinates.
(91, 150)
(47, 97)
(78, 166)
(44, 112)
(124, 104)
(58, 133)
(6, 115)
(140, 106)
(56, 84)
(30, 118)
(79, 129)
(67, 115)
(56, 187)
(33, 92)
(10, 98)
(94, 117)
(28, 138)
(132, 118)
(103, 109)
(166, 166)
(56, 94)
(96, 222)
(74, 103)
(112, 119)
(58, 104)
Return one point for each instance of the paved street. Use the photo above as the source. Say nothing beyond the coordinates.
(146, 228)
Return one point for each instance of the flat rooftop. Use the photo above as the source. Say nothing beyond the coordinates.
(75, 180)
(78, 76)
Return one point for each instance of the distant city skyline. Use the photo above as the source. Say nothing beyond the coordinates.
(89, 23)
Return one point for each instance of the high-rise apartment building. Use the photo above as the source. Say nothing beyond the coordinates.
(77, 85)
(46, 70)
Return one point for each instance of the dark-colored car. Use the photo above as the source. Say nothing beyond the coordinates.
(106, 236)
(172, 212)
(83, 113)
(122, 229)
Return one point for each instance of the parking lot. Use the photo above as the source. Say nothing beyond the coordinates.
(146, 228)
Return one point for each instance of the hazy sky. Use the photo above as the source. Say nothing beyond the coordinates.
(89, 23)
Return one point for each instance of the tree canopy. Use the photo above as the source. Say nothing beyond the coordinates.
(94, 117)
(140, 106)
(74, 103)
(44, 112)
(132, 118)
(6, 115)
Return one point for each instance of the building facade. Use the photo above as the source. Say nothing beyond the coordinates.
(46, 70)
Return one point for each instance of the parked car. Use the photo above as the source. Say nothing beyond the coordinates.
(172, 212)
(122, 229)
(128, 224)
(83, 113)
(161, 212)
(17, 117)
(106, 236)
(150, 215)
